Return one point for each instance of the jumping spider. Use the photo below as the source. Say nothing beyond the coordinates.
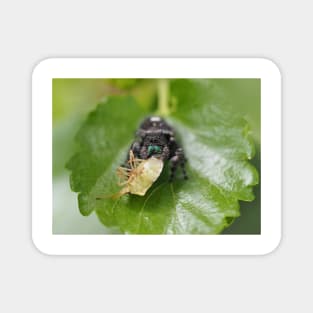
(155, 137)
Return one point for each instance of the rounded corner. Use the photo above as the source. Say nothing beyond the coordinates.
(272, 65)
(40, 65)
(274, 246)
(38, 247)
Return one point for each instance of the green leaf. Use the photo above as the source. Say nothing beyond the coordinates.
(217, 144)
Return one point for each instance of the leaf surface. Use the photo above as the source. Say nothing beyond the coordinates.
(218, 147)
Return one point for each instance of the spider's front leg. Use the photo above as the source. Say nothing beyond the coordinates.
(178, 160)
(135, 148)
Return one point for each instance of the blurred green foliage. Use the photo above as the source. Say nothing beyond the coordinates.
(73, 98)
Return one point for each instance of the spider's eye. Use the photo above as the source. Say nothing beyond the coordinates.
(153, 149)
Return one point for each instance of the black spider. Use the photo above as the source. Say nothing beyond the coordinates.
(155, 137)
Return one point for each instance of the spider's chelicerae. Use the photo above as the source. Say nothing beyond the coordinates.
(156, 138)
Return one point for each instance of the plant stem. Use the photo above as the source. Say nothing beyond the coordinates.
(163, 97)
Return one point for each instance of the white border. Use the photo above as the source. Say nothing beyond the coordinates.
(270, 77)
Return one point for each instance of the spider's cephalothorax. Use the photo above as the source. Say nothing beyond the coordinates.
(156, 138)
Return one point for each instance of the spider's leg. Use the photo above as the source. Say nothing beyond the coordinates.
(183, 161)
(178, 159)
(173, 167)
(144, 153)
(165, 153)
(135, 148)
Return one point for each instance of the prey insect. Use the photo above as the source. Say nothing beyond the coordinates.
(139, 176)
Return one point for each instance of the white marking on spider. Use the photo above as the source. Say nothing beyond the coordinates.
(155, 119)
